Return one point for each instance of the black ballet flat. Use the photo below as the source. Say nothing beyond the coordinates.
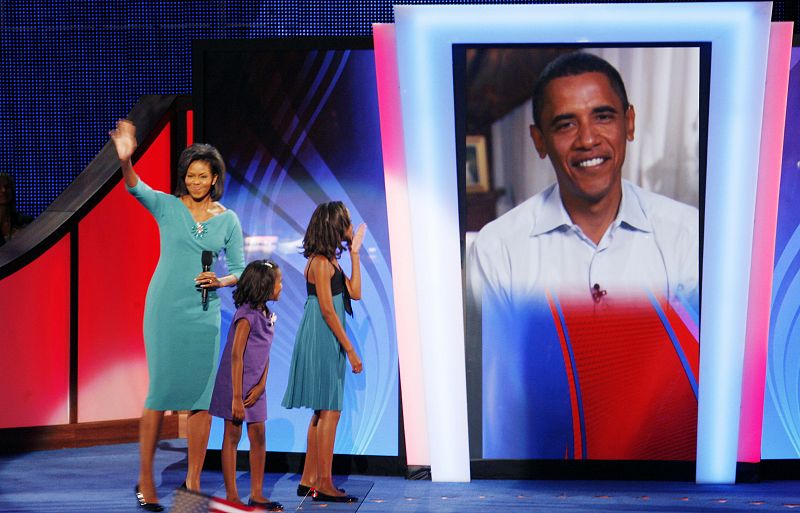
(269, 505)
(323, 497)
(147, 506)
(303, 490)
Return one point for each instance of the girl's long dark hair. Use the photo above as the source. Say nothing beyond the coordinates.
(256, 285)
(326, 231)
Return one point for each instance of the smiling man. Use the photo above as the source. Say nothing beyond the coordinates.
(588, 293)
(592, 234)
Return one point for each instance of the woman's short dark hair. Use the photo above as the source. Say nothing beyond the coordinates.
(256, 285)
(205, 153)
(326, 231)
(569, 65)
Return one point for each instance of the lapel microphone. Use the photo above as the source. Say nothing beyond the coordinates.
(597, 293)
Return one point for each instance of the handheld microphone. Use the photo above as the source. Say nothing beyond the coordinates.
(598, 293)
(206, 258)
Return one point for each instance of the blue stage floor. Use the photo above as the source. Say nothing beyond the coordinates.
(101, 479)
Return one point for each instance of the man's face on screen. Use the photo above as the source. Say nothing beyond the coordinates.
(584, 130)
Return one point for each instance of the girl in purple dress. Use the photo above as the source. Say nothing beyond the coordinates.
(239, 389)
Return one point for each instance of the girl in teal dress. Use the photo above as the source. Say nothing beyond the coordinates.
(316, 375)
(181, 337)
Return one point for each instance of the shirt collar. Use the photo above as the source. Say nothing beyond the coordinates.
(631, 211)
(552, 215)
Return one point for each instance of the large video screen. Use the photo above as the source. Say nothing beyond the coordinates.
(297, 123)
(581, 222)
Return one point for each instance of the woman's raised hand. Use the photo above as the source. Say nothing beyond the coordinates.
(124, 137)
(358, 238)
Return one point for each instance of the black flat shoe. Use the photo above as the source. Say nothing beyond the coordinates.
(322, 497)
(269, 505)
(147, 506)
(303, 490)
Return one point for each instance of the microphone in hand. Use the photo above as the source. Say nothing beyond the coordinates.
(206, 259)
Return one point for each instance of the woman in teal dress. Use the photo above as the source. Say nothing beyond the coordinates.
(316, 374)
(181, 337)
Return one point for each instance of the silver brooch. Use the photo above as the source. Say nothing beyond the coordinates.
(199, 230)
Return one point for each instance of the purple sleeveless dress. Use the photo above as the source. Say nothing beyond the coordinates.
(256, 359)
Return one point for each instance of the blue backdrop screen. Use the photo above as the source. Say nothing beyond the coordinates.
(298, 127)
(69, 69)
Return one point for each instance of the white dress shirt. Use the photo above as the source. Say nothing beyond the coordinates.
(651, 247)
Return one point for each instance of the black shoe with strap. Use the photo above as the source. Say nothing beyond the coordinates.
(147, 506)
(323, 497)
(303, 490)
(269, 505)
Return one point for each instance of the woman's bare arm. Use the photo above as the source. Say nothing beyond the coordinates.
(322, 270)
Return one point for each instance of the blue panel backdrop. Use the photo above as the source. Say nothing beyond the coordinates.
(781, 432)
(300, 127)
(70, 68)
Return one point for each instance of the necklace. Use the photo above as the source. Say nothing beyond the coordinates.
(199, 229)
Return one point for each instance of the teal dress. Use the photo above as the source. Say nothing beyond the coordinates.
(316, 374)
(181, 340)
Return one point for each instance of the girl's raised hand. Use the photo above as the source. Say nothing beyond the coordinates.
(358, 238)
(124, 137)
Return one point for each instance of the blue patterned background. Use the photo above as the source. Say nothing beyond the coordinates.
(70, 68)
(301, 127)
(781, 431)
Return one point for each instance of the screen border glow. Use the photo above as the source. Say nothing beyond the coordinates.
(738, 33)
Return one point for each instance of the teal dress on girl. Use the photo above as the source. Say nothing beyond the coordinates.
(316, 374)
(181, 339)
